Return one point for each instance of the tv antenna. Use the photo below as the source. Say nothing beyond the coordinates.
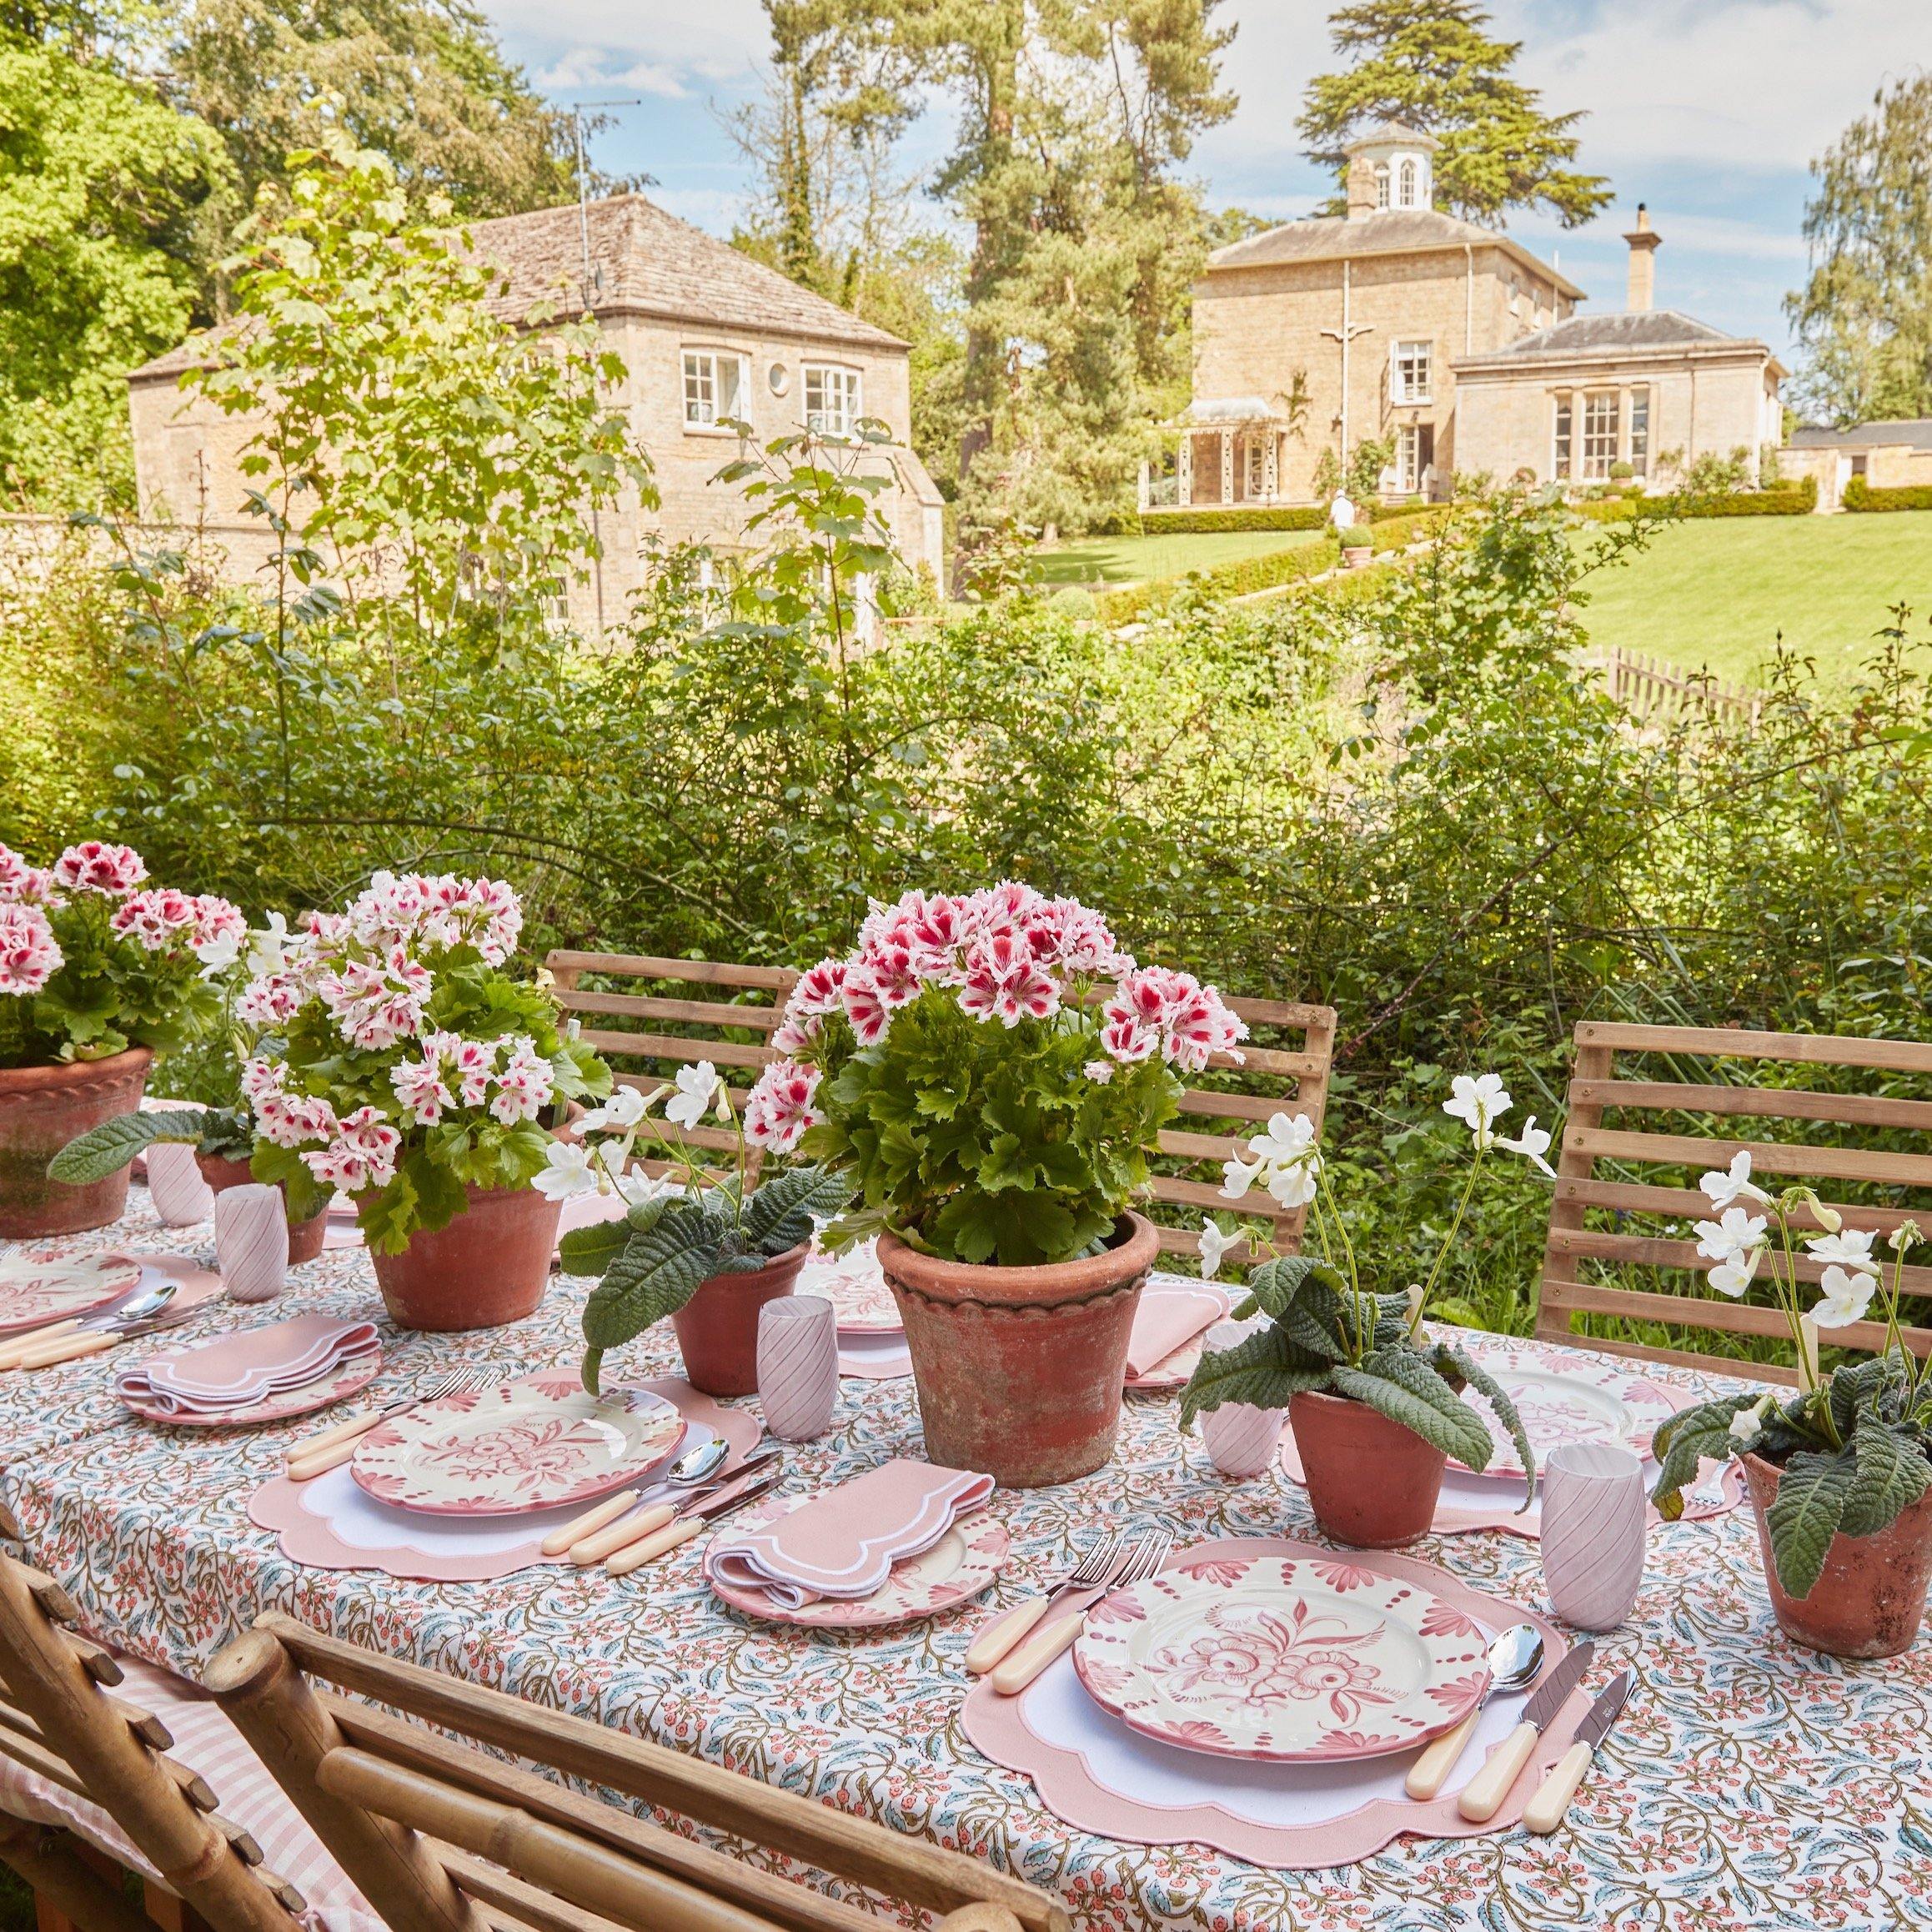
(577, 111)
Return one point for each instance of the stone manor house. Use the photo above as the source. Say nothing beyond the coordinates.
(1453, 343)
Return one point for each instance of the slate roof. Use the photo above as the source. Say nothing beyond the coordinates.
(1389, 231)
(1916, 431)
(1645, 328)
(1393, 131)
(644, 261)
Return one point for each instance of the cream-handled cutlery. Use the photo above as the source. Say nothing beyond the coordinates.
(1482, 1797)
(693, 1520)
(1020, 1667)
(1515, 1657)
(92, 1340)
(143, 1305)
(1551, 1805)
(1093, 1571)
(601, 1541)
(334, 1447)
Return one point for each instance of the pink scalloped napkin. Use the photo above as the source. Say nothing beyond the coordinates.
(1092, 1772)
(844, 1542)
(1167, 1319)
(240, 1370)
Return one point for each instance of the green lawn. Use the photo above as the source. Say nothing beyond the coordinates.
(1142, 559)
(1715, 594)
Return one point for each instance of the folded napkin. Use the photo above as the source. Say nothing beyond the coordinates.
(239, 1370)
(845, 1542)
(1167, 1319)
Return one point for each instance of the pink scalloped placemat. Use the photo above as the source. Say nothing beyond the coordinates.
(1092, 1771)
(448, 1550)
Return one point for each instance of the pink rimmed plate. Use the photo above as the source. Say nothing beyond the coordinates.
(33, 1290)
(343, 1380)
(1566, 1399)
(1286, 1660)
(854, 1286)
(963, 1563)
(530, 1445)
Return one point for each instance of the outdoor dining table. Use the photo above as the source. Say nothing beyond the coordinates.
(1749, 1784)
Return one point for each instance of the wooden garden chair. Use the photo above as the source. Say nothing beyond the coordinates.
(61, 1719)
(443, 1835)
(1639, 1220)
(1276, 1074)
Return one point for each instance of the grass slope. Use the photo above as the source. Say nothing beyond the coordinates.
(1715, 595)
(1142, 559)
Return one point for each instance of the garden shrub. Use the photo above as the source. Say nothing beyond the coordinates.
(1268, 517)
(1857, 494)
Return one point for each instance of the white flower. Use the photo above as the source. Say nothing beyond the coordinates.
(1732, 1275)
(1902, 1236)
(268, 948)
(636, 1187)
(1480, 1099)
(1733, 1183)
(696, 1085)
(1099, 1072)
(1289, 1138)
(1748, 1424)
(626, 1106)
(1846, 1297)
(1852, 1249)
(1417, 1292)
(568, 1172)
(1733, 1237)
(1214, 1246)
(1237, 1178)
(1295, 1186)
(218, 954)
(1532, 1143)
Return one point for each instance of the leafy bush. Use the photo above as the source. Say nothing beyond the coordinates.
(1857, 494)
(1271, 517)
(1236, 580)
(1797, 499)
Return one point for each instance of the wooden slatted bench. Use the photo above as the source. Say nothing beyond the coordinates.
(1269, 1079)
(1638, 1206)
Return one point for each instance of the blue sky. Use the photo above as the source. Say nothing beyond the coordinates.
(1708, 109)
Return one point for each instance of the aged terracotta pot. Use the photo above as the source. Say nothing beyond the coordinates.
(1870, 1599)
(42, 1108)
(304, 1237)
(1019, 1370)
(718, 1327)
(490, 1266)
(1371, 1482)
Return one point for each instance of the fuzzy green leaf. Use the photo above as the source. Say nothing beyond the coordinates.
(1275, 1284)
(589, 1250)
(108, 1148)
(1492, 1392)
(1404, 1386)
(781, 1213)
(653, 1276)
(1891, 1474)
(1682, 1441)
(1805, 1515)
(1263, 1369)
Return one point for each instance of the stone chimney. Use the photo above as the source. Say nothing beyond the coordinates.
(1360, 187)
(1644, 243)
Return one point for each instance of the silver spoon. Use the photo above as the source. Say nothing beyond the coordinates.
(695, 1464)
(1515, 1659)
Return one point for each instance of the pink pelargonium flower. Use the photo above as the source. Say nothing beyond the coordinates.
(779, 1109)
(271, 1001)
(161, 921)
(792, 1037)
(895, 970)
(865, 1005)
(24, 885)
(1125, 1039)
(362, 1155)
(30, 955)
(95, 866)
(524, 1086)
(216, 918)
(817, 991)
(421, 1090)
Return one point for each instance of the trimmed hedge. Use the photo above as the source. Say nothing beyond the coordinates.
(1191, 522)
(1859, 495)
(1785, 500)
(1398, 533)
(1130, 605)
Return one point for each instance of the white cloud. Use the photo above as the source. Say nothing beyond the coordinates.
(668, 48)
(586, 68)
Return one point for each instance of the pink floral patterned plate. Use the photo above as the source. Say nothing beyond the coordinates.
(1288, 1660)
(1567, 1400)
(342, 1381)
(33, 1290)
(530, 1445)
(853, 1286)
(962, 1563)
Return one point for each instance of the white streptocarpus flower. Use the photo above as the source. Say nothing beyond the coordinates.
(696, 1085)
(1734, 1274)
(636, 1187)
(1237, 1178)
(1479, 1101)
(1733, 1183)
(625, 1108)
(1851, 1249)
(1287, 1137)
(1532, 1143)
(1748, 1424)
(1738, 1233)
(1902, 1236)
(568, 1171)
(1294, 1185)
(1214, 1246)
(1845, 1295)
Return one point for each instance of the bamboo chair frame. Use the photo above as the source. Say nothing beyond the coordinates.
(751, 999)
(442, 1835)
(1596, 1090)
(60, 1718)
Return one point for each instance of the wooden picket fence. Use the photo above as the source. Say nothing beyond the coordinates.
(1652, 689)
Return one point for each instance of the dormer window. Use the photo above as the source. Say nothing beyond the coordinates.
(1406, 185)
(1381, 185)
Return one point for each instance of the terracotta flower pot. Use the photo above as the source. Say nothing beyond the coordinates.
(718, 1327)
(489, 1265)
(42, 1108)
(1372, 1482)
(304, 1237)
(1870, 1599)
(1019, 1370)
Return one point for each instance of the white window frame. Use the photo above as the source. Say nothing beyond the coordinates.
(1408, 468)
(1382, 188)
(826, 377)
(704, 398)
(1640, 429)
(1563, 437)
(1408, 183)
(1601, 423)
(1406, 360)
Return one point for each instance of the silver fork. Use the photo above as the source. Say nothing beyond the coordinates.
(1095, 1571)
(452, 1381)
(1144, 1555)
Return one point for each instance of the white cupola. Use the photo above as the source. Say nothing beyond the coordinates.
(1391, 170)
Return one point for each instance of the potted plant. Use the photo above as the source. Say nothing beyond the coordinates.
(224, 1136)
(992, 1073)
(1376, 1407)
(708, 1249)
(400, 1061)
(1837, 1473)
(99, 972)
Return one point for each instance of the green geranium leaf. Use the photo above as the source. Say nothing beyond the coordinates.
(1805, 1515)
(1404, 1386)
(108, 1148)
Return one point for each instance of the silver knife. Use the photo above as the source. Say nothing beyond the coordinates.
(1482, 1796)
(1551, 1802)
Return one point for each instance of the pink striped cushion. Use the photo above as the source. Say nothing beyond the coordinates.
(206, 1742)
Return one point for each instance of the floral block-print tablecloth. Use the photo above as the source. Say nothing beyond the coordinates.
(1750, 1784)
